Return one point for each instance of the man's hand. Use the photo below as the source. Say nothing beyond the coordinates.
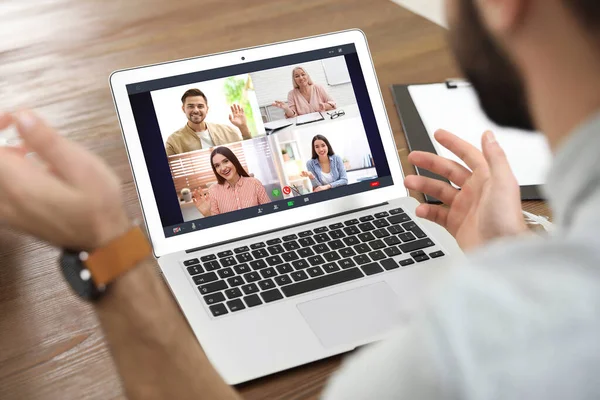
(488, 205)
(202, 202)
(74, 201)
(238, 118)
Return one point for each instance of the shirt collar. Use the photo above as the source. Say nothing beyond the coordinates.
(239, 183)
(575, 172)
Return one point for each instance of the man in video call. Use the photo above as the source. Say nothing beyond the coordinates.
(197, 133)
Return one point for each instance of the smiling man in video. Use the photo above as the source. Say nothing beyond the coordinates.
(198, 134)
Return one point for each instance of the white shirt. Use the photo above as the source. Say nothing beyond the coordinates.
(205, 139)
(327, 178)
(521, 320)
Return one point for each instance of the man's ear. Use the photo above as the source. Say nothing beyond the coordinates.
(501, 16)
(183, 108)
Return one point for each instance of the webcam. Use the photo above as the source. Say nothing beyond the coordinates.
(243, 58)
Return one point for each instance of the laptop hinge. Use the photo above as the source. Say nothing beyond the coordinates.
(284, 228)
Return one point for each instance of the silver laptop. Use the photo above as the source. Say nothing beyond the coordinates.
(278, 252)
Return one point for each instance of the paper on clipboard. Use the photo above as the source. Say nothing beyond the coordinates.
(307, 118)
(458, 111)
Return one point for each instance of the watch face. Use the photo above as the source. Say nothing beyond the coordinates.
(78, 276)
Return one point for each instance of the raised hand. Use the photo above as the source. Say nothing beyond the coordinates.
(488, 206)
(72, 201)
(238, 116)
(202, 202)
(307, 174)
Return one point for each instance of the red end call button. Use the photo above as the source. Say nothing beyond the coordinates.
(375, 184)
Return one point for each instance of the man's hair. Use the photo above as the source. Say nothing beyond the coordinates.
(192, 93)
(587, 12)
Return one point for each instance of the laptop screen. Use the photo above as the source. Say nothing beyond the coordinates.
(262, 137)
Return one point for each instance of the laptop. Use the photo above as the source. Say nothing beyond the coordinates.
(268, 277)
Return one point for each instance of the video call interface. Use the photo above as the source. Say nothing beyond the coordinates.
(242, 144)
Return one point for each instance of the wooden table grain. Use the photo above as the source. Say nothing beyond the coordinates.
(56, 56)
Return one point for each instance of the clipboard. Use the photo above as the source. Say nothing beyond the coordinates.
(419, 135)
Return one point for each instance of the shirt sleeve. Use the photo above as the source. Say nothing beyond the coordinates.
(214, 202)
(170, 149)
(262, 196)
(341, 170)
(314, 182)
(324, 96)
(292, 104)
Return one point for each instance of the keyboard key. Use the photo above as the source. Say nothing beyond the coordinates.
(240, 250)
(289, 237)
(273, 241)
(283, 280)
(367, 226)
(351, 241)
(380, 223)
(291, 256)
(305, 234)
(260, 253)
(305, 242)
(195, 270)
(322, 282)
(396, 211)
(235, 305)
(406, 262)
(252, 277)
(249, 289)
(351, 230)
(210, 257)
(347, 252)
(418, 233)
(241, 269)
(331, 256)
(205, 278)
(377, 244)
(268, 272)
(274, 260)
(257, 246)
(233, 293)
(214, 298)
(392, 241)
(244, 257)
(315, 271)
(389, 263)
(406, 236)
(362, 248)
(218, 310)
(212, 287)
(253, 300)
(277, 249)
(338, 225)
(409, 226)
(225, 273)
(212, 265)
(394, 230)
(299, 276)
(322, 237)
(316, 260)
(293, 245)
(321, 229)
(366, 218)
(338, 234)
(417, 253)
(362, 259)
(307, 252)
(381, 214)
(422, 258)
(392, 251)
(193, 261)
(436, 254)
(377, 255)
(225, 253)
(366, 237)
(398, 219)
(372, 268)
(271, 295)
(235, 281)
(416, 245)
(258, 264)
(320, 248)
(300, 264)
(330, 267)
(284, 269)
(351, 222)
(336, 244)
(380, 233)
(228, 261)
(345, 264)
(266, 284)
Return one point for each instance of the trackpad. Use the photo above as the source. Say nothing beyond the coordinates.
(353, 315)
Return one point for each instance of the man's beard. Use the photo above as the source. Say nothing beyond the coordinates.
(495, 79)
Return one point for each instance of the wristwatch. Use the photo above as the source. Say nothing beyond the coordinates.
(90, 274)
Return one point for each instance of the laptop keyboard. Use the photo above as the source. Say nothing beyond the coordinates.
(268, 271)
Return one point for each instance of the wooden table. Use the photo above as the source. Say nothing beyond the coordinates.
(56, 56)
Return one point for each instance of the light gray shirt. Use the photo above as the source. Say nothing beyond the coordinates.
(521, 320)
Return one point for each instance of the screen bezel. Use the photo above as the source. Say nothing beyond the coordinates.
(210, 236)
